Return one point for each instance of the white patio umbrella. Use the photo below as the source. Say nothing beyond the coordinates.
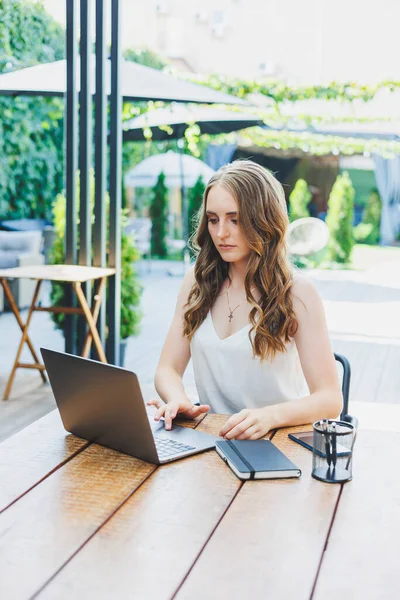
(178, 169)
(137, 83)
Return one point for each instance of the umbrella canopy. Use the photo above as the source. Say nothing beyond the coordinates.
(179, 170)
(137, 83)
(209, 119)
(381, 114)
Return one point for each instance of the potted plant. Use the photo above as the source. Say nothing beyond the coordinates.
(131, 291)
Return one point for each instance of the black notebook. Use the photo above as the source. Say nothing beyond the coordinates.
(258, 459)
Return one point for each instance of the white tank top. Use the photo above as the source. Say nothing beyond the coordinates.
(229, 378)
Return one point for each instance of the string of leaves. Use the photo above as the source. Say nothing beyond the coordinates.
(279, 91)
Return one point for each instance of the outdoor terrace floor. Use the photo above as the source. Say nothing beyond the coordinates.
(363, 314)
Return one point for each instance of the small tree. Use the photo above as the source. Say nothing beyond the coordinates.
(368, 231)
(340, 220)
(299, 200)
(158, 214)
(196, 194)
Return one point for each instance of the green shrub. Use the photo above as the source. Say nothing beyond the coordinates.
(31, 129)
(362, 232)
(158, 214)
(368, 231)
(131, 288)
(195, 201)
(340, 220)
(299, 200)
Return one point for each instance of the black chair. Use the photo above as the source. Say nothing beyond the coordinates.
(344, 415)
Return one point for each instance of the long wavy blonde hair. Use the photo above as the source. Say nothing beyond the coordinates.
(263, 221)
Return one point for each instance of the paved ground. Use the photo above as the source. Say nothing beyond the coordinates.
(363, 313)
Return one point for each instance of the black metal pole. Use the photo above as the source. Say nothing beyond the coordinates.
(71, 141)
(114, 306)
(85, 153)
(184, 204)
(100, 225)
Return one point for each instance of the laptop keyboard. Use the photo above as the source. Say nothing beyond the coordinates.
(167, 447)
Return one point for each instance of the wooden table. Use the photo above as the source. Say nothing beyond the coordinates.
(81, 521)
(76, 275)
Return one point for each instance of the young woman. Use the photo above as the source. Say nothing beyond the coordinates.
(256, 332)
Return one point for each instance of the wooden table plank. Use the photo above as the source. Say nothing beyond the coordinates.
(269, 543)
(147, 548)
(41, 531)
(194, 522)
(362, 556)
(30, 455)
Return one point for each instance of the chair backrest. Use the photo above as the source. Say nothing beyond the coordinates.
(24, 224)
(346, 375)
(307, 236)
(28, 242)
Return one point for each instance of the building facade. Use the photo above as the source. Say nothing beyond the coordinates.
(307, 41)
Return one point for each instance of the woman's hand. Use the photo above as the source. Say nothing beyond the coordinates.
(248, 424)
(169, 411)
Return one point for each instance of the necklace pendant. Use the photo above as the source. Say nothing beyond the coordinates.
(230, 317)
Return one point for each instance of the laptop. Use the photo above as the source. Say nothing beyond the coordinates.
(103, 404)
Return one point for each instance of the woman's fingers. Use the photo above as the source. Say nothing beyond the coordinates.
(231, 424)
(235, 432)
(251, 433)
(169, 414)
(160, 413)
(195, 411)
(238, 424)
(159, 405)
(155, 402)
(169, 411)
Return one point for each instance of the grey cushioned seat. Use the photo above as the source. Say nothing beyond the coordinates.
(20, 248)
(8, 259)
(22, 242)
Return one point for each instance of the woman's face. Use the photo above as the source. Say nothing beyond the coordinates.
(222, 216)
